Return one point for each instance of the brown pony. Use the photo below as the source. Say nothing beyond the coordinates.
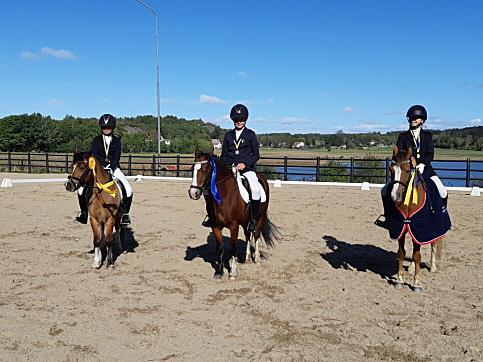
(232, 212)
(103, 204)
(402, 167)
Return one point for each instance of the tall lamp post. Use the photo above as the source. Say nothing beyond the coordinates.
(157, 71)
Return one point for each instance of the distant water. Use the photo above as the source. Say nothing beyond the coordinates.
(451, 173)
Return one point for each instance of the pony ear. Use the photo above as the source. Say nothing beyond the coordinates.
(395, 151)
(410, 152)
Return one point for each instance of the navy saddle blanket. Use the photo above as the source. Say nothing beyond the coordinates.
(427, 224)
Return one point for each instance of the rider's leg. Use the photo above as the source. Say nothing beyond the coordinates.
(386, 200)
(125, 219)
(82, 216)
(207, 222)
(441, 189)
(256, 198)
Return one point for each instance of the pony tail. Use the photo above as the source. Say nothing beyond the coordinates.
(270, 232)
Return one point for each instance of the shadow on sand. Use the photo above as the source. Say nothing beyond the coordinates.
(207, 251)
(365, 258)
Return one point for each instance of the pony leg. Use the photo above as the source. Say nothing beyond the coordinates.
(97, 231)
(417, 287)
(436, 251)
(401, 255)
(109, 229)
(233, 264)
(219, 253)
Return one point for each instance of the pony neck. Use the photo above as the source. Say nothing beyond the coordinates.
(101, 175)
(223, 170)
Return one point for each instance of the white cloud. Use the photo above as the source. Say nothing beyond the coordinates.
(25, 55)
(347, 109)
(371, 127)
(58, 53)
(205, 99)
(474, 122)
(294, 120)
(242, 73)
(55, 101)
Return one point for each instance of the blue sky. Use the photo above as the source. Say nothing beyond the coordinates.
(299, 66)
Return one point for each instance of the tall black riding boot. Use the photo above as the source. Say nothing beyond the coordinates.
(254, 208)
(125, 219)
(82, 216)
(386, 203)
(207, 222)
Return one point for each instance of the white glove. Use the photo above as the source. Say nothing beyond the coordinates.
(420, 168)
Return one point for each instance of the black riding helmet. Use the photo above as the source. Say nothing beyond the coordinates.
(417, 111)
(239, 113)
(107, 120)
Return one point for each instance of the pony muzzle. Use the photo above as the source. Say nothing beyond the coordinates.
(194, 192)
(70, 185)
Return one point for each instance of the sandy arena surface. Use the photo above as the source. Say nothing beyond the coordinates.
(323, 293)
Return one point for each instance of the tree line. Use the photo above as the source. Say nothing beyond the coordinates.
(38, 133)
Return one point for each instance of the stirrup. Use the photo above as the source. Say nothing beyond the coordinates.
(125, 219)
(381, 223)
(81, 218)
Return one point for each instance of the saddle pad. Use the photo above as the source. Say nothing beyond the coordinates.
(244, 192)
(429, 223)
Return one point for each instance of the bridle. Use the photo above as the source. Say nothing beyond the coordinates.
(206, 182)
(405, 184)
(79, 181)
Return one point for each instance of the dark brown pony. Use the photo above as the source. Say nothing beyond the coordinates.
(232, 212)
(402, 167)
(103, 204)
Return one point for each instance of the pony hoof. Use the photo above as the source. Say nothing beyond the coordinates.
(217, 276)
(417, 288)
(398, 285)
(233, 277)
(110, 267)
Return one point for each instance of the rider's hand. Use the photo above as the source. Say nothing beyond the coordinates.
(240, 166)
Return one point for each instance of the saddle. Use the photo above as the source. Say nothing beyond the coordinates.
(244, 188)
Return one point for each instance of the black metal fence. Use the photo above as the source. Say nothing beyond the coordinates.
(453, 172)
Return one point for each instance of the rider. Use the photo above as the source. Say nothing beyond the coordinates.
(421, 143)
(106, 148)
(241, 149)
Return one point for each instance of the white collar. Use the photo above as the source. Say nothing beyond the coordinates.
(238, 132)
(107, 139)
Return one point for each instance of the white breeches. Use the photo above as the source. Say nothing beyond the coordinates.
(442, 191)
(120, 176)
(254, 185)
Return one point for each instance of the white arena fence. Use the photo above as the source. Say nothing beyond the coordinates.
(364, 186)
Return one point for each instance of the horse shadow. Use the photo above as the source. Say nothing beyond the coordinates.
(365, 258)
(207, 251)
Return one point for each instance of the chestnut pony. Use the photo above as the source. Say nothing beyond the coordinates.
(103, 203)
(232, 212)
(402, 168)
